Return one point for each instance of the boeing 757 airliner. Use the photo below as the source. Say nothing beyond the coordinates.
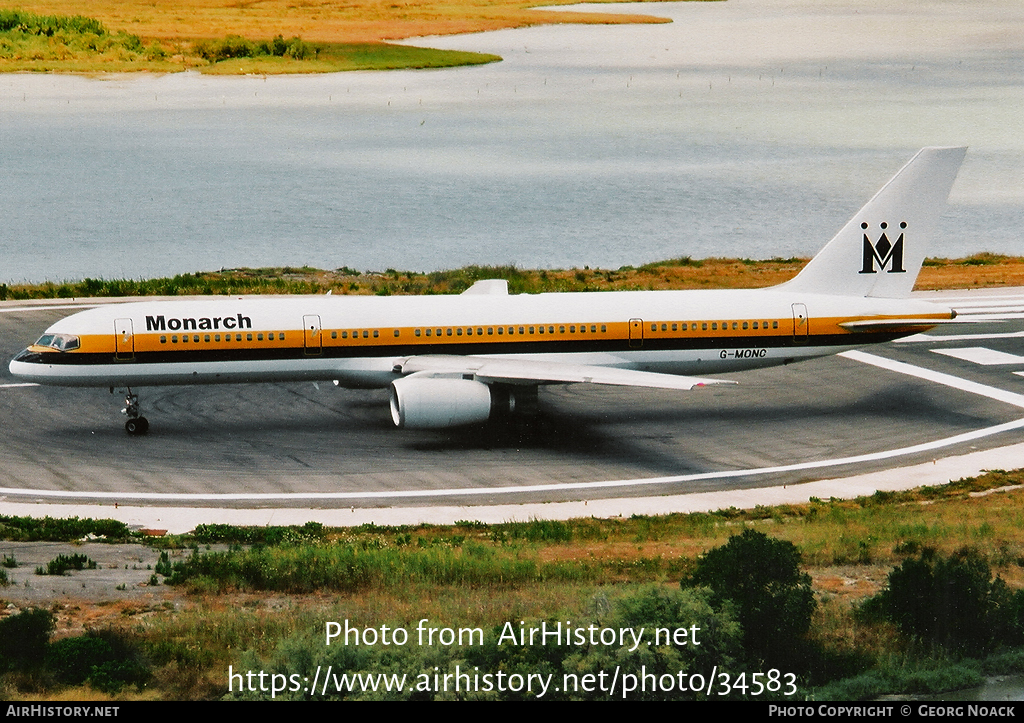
(453, 360)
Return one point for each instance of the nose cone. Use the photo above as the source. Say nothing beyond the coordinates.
(25, 365)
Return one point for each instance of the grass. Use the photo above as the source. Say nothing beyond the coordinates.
(981, 270)
(480, 575)
(164, 36)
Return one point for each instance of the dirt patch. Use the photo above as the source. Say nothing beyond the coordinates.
(122, 573)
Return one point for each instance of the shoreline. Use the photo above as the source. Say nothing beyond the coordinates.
(978, 271)
(236, 40)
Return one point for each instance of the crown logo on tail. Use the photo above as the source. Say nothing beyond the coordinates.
(884, 251)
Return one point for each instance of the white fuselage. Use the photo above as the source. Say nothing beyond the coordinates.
(359, 340)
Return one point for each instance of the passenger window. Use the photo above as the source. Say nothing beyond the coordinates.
(775, 325)
(744, 325)
(366, 334)
(248, 337)
(334, 335)
(561, 330)
(714, 326)
(654, 327)
(416, 333)
(163, 340)
(396, 332)
(458, 332)
(604, 328)
(174, 339)
(479, 331)
(376, 333)
(449, 332)
(216, 337)
(259, 337)
(522, 330)
(734, 325)
(704, 326)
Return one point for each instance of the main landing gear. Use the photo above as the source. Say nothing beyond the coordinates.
(135, 424)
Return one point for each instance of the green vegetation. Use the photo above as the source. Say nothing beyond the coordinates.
(62, 563)
(951, 602)
(362, 565)
(773, 599)
(234, 55)
(31, 529)
(682, 273)
(263, 603)
(53, 42)
(81, 44)
(106, 659)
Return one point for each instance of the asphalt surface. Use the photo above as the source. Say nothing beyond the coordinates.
(298, 445)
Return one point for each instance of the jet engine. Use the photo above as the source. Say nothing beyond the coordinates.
(438, 403)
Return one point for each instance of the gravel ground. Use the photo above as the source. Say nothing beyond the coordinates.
(123, 572)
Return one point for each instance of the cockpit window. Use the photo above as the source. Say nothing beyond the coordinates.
(60, 342)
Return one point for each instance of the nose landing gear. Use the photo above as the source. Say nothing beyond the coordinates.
(136, 424)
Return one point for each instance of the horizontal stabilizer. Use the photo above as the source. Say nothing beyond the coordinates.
(909, 326)
(532, 371)
(488, 287)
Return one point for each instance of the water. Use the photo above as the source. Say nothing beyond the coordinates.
(744, 128)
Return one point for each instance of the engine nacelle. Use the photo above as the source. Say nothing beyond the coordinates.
(425, 403)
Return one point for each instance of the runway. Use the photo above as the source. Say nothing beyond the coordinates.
(957, 390)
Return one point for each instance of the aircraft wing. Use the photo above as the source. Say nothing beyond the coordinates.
(530, 371)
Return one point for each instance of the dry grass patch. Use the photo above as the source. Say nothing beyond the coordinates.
(319, 20)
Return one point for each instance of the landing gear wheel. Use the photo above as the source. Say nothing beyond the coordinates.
(139, 425)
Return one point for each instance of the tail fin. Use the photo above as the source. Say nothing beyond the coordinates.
(879, 252)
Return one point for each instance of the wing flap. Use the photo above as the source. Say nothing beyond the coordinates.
(532, 371)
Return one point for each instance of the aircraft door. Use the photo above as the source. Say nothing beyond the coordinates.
(636, 333)
(801, 324)
(124, 340)
(311, 337)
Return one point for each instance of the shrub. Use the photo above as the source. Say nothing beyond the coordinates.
(23, 639)
(761, 577)
(952, 602)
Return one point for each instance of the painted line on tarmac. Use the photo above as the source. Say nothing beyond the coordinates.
(519, 489)
(19, 384)
(48, 307)
(937, 338)
(984, 390)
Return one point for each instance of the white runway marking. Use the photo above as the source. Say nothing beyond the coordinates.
(981, 355)
(937, 338)
(47, 307)
(519, 489)
(19, 384)
(948, 380)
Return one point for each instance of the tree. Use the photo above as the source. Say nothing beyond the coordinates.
(760, 576)
(952, 602)
(23, 639)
